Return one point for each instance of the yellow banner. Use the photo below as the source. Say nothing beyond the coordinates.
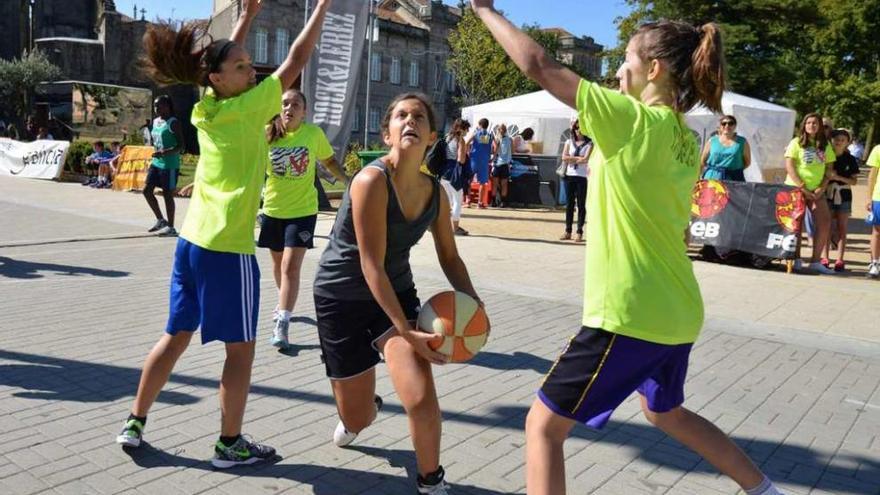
(131, 170)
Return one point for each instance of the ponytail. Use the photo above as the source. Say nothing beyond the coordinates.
(184, 56)
(708, 67)
(694, 58)
(275, 129)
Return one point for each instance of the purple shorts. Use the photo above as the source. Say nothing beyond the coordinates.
(598, 370)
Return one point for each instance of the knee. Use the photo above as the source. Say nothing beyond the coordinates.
(664, 420)
(148, 192)
(541, 425)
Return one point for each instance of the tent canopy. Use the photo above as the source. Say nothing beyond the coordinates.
(768, 127)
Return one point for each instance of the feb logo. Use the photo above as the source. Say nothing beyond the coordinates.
(709, 198)
(790, 209)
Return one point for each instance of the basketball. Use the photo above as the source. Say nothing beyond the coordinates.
(461, 322)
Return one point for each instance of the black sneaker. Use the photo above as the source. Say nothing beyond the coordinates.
(131, 434)
(160, 224)
(433, 484)
(242, 452)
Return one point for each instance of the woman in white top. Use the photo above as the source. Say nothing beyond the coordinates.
(575, 154)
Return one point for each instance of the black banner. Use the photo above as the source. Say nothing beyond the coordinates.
(762, 219)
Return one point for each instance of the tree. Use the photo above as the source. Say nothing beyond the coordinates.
(19, 77)
(811, 55)
(480, 65)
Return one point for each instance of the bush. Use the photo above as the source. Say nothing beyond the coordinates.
(352, 163)
(76, 155)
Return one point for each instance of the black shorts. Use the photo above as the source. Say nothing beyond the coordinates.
(348, 332)
(501, 171)
(279, 233)
(164, 179)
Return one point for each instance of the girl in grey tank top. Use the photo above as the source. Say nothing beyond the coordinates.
(365, 297)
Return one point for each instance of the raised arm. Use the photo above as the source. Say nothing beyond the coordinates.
(250, 8)
(528, 55)
(302, 47)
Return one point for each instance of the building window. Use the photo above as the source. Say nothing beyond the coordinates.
(395, 70)
(450, 81)
(376, 67)
(414, 73)
(282, 45)
(374, 119)
(261, 50)
(356, 116)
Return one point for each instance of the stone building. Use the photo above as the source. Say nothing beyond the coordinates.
(409, 55)
(581, 52)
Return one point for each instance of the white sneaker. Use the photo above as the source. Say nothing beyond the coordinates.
(874, 270)
(343, 437)
(280, 334)
(820, 268)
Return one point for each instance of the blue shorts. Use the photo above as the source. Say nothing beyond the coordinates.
(217, 292)
(875, 210)
(598, 370)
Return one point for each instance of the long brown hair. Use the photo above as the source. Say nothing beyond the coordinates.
(804, 138)
(184, 56)
(694, 57)
(275, 129)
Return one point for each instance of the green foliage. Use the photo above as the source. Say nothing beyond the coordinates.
(19, 77)
(352, 163)
(76, 155)
(811, 55)
(482, 68)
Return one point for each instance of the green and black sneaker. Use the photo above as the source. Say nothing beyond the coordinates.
(131, 434)
(244, 451)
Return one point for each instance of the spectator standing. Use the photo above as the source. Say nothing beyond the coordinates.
(481, 151)
(575, 154)
(453, 178)
(147, 133)
(167, 137)
(873, 207)
(842, 178)
(807, 159)
(503, 151)
(726, 154)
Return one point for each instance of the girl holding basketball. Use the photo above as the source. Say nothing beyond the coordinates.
(215, 279)
(642, 304)
(365, 298)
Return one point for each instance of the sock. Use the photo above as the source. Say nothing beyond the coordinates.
(142, 419)
(765, 488)
(284, 315)
(434, 478)
(229, 441)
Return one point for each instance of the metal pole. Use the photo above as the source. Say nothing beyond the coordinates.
(303, 75)
(371, 33)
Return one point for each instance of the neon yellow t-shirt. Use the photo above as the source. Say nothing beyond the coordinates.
(810, 163)
(229, 176)
(638, 280)
(290, 187)
(874, 161)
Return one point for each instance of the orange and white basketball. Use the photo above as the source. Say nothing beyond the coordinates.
(461, 322)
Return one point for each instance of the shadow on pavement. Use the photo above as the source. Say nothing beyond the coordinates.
(12, 268)
(324, 480)
(63, 379)
(516, 361)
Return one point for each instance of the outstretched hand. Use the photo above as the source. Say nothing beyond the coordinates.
(251, 7)
(482, 4)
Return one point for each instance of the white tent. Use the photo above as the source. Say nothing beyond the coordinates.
(767, 127)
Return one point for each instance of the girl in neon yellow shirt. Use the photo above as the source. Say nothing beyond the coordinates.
(807, 160)
(215, 280)
(642, 304)
(290, 206)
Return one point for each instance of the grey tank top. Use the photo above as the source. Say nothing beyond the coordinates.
(339, 271)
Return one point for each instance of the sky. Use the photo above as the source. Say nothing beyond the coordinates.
(595, 18)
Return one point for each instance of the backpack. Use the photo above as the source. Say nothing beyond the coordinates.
(436, 157)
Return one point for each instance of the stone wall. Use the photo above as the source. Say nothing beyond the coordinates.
(79, 59)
